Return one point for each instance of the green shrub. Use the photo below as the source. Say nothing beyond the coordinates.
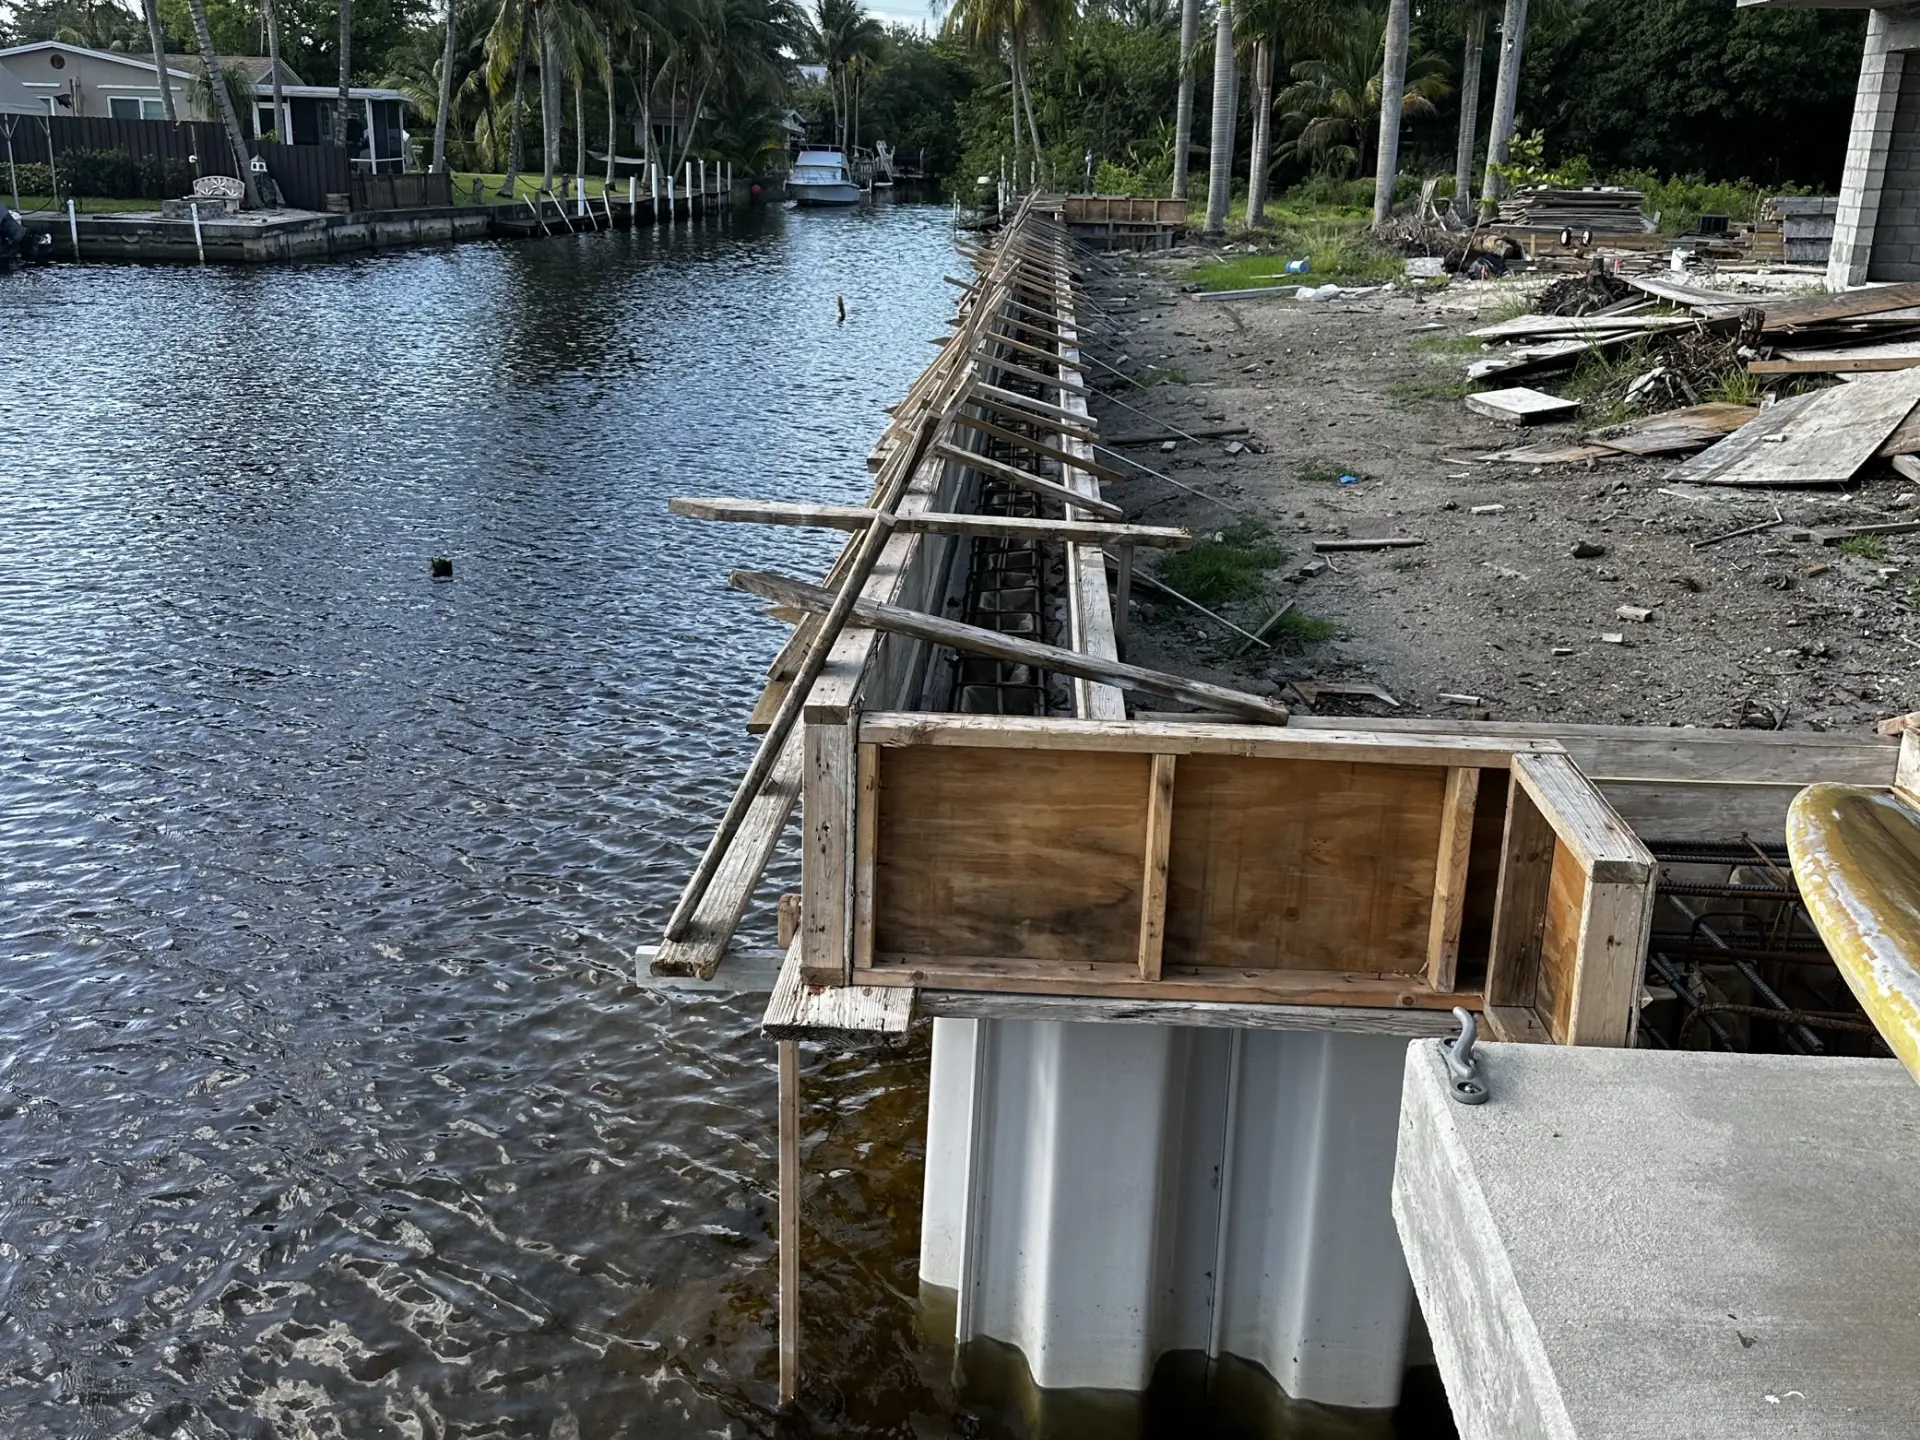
(1229, 568)
(35, 179)
(98, 172)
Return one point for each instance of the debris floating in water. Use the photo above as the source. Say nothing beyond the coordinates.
(440, 567)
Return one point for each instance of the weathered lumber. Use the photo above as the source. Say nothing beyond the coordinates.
(1543, 327)
(1521, 406)
(971, 638)
(700, 950)
(1152, 1010)
(799, 1011)
(1382, 542)
(933, 522)
(1818, 439)
(1008, 367)
(1680, 430)
(1835, 363)
(1034, 484)
(1801, 314)
(1071, 422)
(1036, 446)
(788, 1218)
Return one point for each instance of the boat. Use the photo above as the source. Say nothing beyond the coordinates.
(821, 177)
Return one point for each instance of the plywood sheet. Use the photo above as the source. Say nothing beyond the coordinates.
(1560, 942)
(1302, 865)
(1010, 854)
(1822, 442)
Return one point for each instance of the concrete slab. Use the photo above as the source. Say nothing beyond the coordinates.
(1642, 1245)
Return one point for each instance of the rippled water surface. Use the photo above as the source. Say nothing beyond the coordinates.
(325, 1108)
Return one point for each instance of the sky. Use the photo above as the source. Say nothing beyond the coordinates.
(906, 12)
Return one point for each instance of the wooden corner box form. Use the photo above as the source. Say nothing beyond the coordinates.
(1240, 863)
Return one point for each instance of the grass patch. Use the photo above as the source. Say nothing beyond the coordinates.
(1215, 572)
(1864, 547)
(1319, 472)
(1447, 345)
(1336, 249)
(1424, 389)
(1166, 375)
(1600, 383)
(1738, 386)
(1307, 629)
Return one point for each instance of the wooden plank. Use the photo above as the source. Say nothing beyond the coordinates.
(1607, 973)
(788, 1218)
(977, 973)
(1769, 420)
(1560, 943)
(799, 1011)
(1007, 367)
(1680, 430)
(750, 970)
(1905, 440)
(1515, 1024)
(1800, 314)
(1035, 484)
(1382, 742)
(892, 618)
(1835, 363)
(866, 825)
(1824, 442)
(700, 951)
(1544, 355)
(1521, 406)
(1383, 542)
(827, 818)
(1006, 401)
(1153, 884)
(1151, 1010)
(1004, 527)
(1299, 865)
(1581, 326)
(1450, 883)
(1601, 843)
(1034, 446)
(1520, 903)
(1711, 303)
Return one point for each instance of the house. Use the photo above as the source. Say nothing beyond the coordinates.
(73, 80)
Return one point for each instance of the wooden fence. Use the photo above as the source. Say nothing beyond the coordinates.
(401, 192)
(38, 141)
(306, 174)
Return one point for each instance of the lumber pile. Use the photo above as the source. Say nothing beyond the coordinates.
(1603, 209)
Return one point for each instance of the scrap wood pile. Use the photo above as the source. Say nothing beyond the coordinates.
(1600, 209)
(1689, 342)
(1001, 408)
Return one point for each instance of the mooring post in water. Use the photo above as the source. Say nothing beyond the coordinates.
(198, 244)
(688, 187)
(669, 196)
(633, 201)
(653, 179)
(705, 204)
(788, 1221)
(73, 226)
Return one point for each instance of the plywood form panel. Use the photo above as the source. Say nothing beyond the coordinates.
(1010, 854)
(1560, 942)
(1302, 864)
(1483, 878)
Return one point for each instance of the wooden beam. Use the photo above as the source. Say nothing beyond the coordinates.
(1836, 365)
(1071, 422)
(699, 952)
(1153, 885)
(1005, 527)
(1121, 981)
(1033, 484)
(1178, 736)
(797, 1010)
(1037, 447)
(1520, 903)
(1602, 843)
(971, 638)
(789, 1220)
(866, 825)
(1450, 879)
(1000, 363)
(826, 926)
(1149, 1009)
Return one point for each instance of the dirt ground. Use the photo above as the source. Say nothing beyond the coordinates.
(1755, 630)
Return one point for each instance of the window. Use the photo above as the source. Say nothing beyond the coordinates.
(128, 107)
(263, 123)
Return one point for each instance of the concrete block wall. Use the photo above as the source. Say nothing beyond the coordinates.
(1896, 234)
(1869, 142)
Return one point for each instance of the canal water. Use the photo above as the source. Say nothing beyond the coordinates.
(326, 1108)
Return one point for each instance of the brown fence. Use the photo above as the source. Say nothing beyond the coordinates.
(40, 141)
(306, 174)
(401, 192)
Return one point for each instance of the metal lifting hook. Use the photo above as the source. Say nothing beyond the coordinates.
(1462, 1069)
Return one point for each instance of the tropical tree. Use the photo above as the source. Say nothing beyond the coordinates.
(443, 108)
(844, 39)
(151, 8)
(1333, 105)
(346, 73)
(1183, 105)
(1010, 29)
(272, 9)
(223, 100)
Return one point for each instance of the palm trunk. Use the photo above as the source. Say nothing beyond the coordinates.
(1262, 131)
(1183, 109)
(1393, 96)
(152, 7)
(1013, 91)
(613, 117)
(346, 75)
(580, 130)
(282, 131)
(1469, 112)
(1220, 145)
(1026, 99)
(446, 98)
(1506, 95)
(549, 106)
(519, 97)
(217, 83)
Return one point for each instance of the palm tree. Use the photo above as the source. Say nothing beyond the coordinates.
(1470, 62)
(1183, 106)
(272, 8)
(1506, 95)
(843, 36)
(1016, 26)
(1279, 31)
(514, 19)
(159, 41)
(223, 101)
(346, 74)
(445, 105)
(1334, 101)
(1393, 96)
(1220, 144)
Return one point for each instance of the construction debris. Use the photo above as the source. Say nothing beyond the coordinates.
(1521, 406)
(1594, 209)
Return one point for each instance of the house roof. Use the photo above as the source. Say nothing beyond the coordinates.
(118, 57)
(257, 68)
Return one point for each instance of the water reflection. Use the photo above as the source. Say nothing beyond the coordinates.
(323, 1108)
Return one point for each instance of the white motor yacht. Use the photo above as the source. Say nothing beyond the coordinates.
(822, 177)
